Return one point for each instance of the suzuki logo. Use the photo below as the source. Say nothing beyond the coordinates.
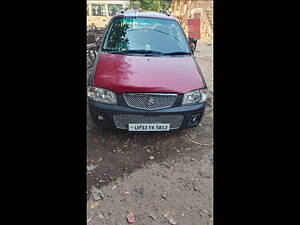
(150, 101)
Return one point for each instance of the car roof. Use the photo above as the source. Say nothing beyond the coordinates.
(140, 13)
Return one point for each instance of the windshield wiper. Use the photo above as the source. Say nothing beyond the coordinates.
(136, 51)
(148, 52)
(177, 53)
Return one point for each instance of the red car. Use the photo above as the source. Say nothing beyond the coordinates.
(145, 77)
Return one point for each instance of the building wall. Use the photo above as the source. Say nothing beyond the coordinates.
(184, 9)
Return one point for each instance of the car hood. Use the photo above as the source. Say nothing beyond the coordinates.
(127, 73)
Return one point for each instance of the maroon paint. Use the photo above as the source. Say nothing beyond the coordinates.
(124, 73)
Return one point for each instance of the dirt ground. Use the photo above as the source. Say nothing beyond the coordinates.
(157, 176)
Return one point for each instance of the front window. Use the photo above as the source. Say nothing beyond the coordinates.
(113, 8)
(145, 34)
(98, 10)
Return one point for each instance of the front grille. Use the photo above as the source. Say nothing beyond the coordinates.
(150, 101)
(122, 121)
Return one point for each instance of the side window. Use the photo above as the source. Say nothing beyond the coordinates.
(113, 8)
(98, 10)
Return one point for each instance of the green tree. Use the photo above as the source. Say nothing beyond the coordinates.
(154, 5)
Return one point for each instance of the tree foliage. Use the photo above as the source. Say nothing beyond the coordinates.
(154, 5)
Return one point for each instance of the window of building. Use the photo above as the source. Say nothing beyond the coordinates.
(99, 10)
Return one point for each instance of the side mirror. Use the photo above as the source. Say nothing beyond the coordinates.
(193, 44)
(193, 47)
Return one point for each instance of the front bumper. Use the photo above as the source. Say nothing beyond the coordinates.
(106, 113)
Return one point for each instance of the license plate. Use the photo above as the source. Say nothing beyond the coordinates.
(149, 127)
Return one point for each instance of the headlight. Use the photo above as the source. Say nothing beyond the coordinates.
(102, 95)
(196, 96)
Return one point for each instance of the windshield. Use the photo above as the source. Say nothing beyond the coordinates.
(129, 34)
